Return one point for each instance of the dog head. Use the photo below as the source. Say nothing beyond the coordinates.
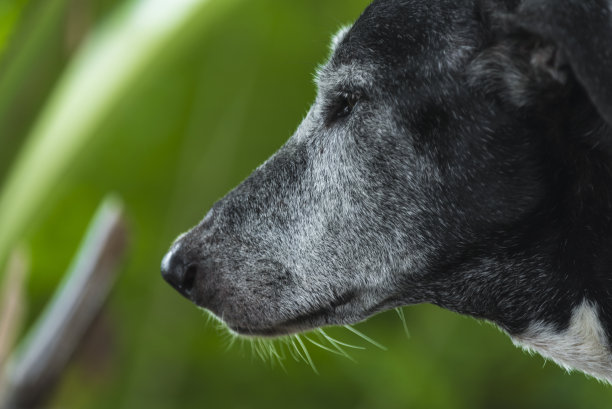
(425, 171)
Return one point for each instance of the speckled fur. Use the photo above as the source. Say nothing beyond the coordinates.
(457, 153)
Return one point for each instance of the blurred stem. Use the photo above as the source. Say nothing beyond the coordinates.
(38, 364)
(111, 62)
(12, 304)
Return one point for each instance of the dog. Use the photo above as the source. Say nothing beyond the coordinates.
(458, 153)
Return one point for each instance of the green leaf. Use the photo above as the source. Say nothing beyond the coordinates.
(113, 59)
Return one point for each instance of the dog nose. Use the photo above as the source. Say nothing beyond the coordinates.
(179, 273)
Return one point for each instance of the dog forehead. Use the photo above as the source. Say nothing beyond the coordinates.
(352, 76)
(398, 32)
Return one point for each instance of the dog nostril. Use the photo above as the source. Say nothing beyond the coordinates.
(189, 277)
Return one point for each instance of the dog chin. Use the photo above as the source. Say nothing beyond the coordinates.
(299, 324)
(258, 330)
(303, 323)
(263, 332)
(287, 327)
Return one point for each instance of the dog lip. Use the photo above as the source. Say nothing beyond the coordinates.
(320, 312)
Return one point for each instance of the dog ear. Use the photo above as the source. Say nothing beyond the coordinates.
(582, 33)
(520, 67)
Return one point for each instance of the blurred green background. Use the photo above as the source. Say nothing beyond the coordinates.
(212, 92)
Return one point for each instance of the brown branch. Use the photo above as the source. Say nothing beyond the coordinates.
(12, 303)
(40, 360)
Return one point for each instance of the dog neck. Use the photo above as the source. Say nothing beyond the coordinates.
(547, 281)
(551, 296)
(569, 276)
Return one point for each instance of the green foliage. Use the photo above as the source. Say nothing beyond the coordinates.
(212, 98)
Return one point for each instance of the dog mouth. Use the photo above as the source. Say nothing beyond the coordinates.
(303, 322)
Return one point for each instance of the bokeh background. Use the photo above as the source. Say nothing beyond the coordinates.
(194, 96)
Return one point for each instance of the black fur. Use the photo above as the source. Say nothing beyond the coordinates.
(462, 159)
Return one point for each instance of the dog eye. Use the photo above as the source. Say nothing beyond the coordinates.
(343, 106)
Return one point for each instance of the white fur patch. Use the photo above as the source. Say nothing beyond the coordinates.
(582, 346)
